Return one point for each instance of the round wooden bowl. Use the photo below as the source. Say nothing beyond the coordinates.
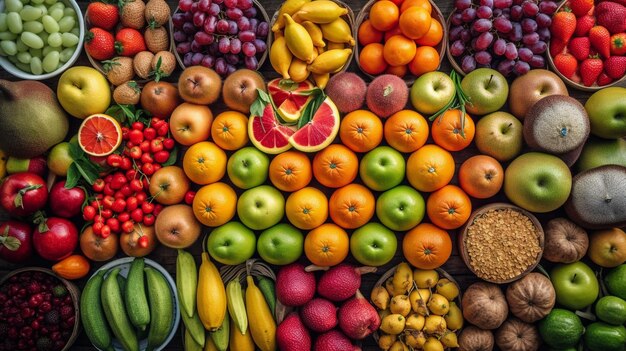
(268, 40)
(72, 290)
(442, 274)
(435, 13)
(498, 206)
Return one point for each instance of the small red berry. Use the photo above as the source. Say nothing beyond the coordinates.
(141, 197)
(106, 213)
(169, 143)
(106, 231)
(89, 213)
(124, 216)
(114, 160)
(97, 228)
(149, 133)
(161, 156)
(149, 219)
(147, 207)
(126, 164)
(138, 126)
(98, 185)
(147, 158)
(147, 169)
(119, 205)
(135, 152)
(143, 241)
(189, 196)
(135, 136)
(156, 145)
(144, 146)
(128, 226)
(131, 203)
(137, 215)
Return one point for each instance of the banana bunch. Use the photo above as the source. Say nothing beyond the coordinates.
(417, 311)
(311, 39)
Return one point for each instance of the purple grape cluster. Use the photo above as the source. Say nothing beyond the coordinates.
(508, 35)
(220, 34)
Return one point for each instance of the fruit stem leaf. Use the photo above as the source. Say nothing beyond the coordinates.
(257, 107)
(158, 73)
(311, 108)
(10, 242)
(19, 197)
(41, 221)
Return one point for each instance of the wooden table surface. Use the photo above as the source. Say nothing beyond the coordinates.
(167, 257)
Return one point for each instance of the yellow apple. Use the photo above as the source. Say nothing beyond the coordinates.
(83, 91)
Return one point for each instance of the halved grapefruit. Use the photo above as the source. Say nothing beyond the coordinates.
(289, 97)
(267, 134)
(320, 131)
(99, 135)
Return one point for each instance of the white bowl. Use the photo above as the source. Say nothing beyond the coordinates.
(11, 68)
(124, 265)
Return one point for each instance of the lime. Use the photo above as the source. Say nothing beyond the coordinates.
(605, 337)
(561, 329)
(612, 310)
(615, 281)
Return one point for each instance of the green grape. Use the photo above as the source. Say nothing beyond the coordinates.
(2, 53)
(66, 54)
(58, 5)
(32, 40)
(7, 36)
(37, 2)
(69, 39)
(14, 22)
(33, 27)
(50, 24)
(51, 2)
(44, 9)
(35, 65)
(13, 59)
(9, 47)
(48, 49)
(13, 5)
(75, 31)
(21, 47)
(69, 12)
(66, 24)
(51, 61)
(3, 22)
(25, 2)
(56, 14)
(23, 57)
(55, 40)
(22, 66)
(44, 36)
(29, 13)
(35, 52)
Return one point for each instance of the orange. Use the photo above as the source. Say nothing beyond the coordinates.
(427, 246)
(384, 15)
(215, 204)
(429, 168)
(446, 130)
(335, 166)
(399, 71)
(290, 171)
(426, 60)
(367, 34)
(481, 176)
(394, 31)
(230, 130)
(204, 163)
(361, 130)
(99, 135)
(425, 4)
(406, 131)
(371, 59)
(307, 208)
(414, 22)
(399, 50)
(449, 207)
(351, 206)
(326, 245)
(434, 35)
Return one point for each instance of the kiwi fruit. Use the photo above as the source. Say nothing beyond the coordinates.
(557, 125)
(598, 198)
(347, 90)
(386, 95)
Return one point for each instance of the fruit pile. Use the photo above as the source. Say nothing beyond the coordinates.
(311, 38)
(37, 313)
(588, 43)
(130, 309)
(224, 35)
(400, 37)
(38, 37)
(508, 35)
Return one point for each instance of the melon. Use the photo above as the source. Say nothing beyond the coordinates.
(267, 133)
(320, 131)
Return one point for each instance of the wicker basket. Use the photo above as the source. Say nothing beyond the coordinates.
(435, 13)
(71, 288)
(482, 210)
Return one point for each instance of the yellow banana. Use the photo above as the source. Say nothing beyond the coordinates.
(236, 305)
(321, 79)
(3, 164)
(334, 46)
(320, 11)
(330, 61)
(338, 31)
(262, 324)
(280, 57)
(240, 342)
(289, 7)
(211, 295)
(315, 32)
(298, 71)
(298, 40)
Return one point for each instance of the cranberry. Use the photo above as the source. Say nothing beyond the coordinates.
(12, 333)
(33, 287)
(26, 332)
(27, 313)
(55, 335)
(35, 300)
(45, 307)
(35, 325)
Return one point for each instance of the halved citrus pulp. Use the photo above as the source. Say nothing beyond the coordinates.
(320, 131)
(281, 90)
(267, 134)
(99, 135)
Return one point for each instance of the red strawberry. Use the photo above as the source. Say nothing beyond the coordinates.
(103, 15)
(600, 40)
(580, 7)
(615, 66)
(603, 79)
(566, 64)
(612, 16)
(584, 24)
(557, 46)
(618, 44)
(579, 48)
(590, 70)
(128, 42)
(563, 25)
(99, 44)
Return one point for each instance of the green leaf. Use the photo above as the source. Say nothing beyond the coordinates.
(311, 108)
(76, 153)
(86, 172)
(116, 112)
(73, 176)
(10, 242)
(129, 111)
(172, 159)
(257, 107)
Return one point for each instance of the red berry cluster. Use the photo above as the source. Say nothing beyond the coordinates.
(37, 313)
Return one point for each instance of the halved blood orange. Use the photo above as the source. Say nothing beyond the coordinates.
(99, 135)
(285, 89)
(267, 134)
(320, 131)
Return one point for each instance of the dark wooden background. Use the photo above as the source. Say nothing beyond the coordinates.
(167, 257)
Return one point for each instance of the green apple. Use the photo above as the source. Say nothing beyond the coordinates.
(575, 284)
(382, 168)
(248, 167)
(607, 112)
(615, 281)
(431, 92)
(599, 152)
(83, 91)
(232, 243)
(487, 90)
(281, 244)
(261, 207)
(59, 159)
(499, 135)
(400, 208)
(538, 182)
(373, 244)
